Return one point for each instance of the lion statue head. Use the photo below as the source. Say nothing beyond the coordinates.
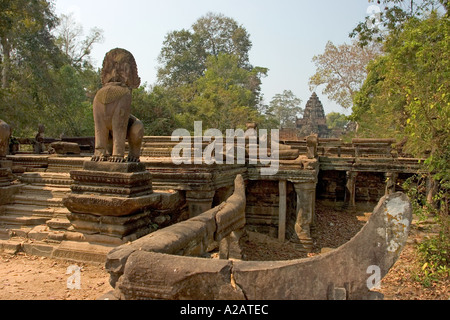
(119, 66)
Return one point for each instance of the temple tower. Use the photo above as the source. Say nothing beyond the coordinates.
(314, 121)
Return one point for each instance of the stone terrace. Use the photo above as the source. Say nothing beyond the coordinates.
(32, 207)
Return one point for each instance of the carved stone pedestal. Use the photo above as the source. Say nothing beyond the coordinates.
(111, 200)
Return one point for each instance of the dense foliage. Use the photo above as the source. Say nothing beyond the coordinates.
(407, 95)
(47, 78)
(205, 75)
(41, 83)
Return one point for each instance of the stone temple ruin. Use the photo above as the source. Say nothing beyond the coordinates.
(314, 120)
(155, 223)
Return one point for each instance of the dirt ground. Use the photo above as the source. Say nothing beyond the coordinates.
(24, 277)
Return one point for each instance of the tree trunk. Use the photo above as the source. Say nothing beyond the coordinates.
(5, 63)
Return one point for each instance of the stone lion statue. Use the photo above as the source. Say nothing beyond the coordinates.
(114, 123)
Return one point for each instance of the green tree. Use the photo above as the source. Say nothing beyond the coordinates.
(68, 112)
(205, 74)
(337, 121)
(407, 94)
(226, 96)
(221, 34)
(392, 17)
(154, 110)
(41, 83)
(70, 39)
(284, 108)
(184, 53)
(25, 36)
(410, 82)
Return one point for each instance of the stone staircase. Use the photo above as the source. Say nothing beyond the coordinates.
(39, 202)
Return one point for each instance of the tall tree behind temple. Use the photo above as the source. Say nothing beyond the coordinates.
(70, 39)
(25, 36)
(206, 74)
(342, 70)
(284, 109)
(184, 53)
(40, 83)
(28, 57)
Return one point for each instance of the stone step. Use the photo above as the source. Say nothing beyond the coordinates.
(46, 178)
(44, 189)
(31, 210)
(20, 220)
(59, 223)
(33, 200)
(5, 233)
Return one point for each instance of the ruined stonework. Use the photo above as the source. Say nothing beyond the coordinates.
(193, 237)
(314, 120)
(152, 268)
(197, 210)
(64, 148)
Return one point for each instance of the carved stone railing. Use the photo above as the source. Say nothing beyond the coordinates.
(167, 265)
(193, 237)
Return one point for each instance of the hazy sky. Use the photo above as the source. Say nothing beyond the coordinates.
(286, 34)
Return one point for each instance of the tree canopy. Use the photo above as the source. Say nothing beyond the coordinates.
(184, 53)
(407, 95)
(205, 74)
(410, 83)
(284, 109)
(342, 70)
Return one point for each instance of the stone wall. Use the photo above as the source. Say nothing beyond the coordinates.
(263, 205)
(370, 186)
(331, 185)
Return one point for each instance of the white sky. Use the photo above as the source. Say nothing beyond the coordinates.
(286, 34)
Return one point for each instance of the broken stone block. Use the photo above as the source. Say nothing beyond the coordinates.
(150, 275)
(63, 148)
(39, 233)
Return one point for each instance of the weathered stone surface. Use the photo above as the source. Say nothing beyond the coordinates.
(111, 189)
(7, 192)
(160, 276)
(111, 107)
(111, 179)
(110, 225)
(10, 246)
(80, 251)
(128, 167)
(232, 216)
(314, 120)
(190, 238)
(61, 147)
(109, 206)
(5, 134)
(343, 273)
(311, 146)
(378, 244)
